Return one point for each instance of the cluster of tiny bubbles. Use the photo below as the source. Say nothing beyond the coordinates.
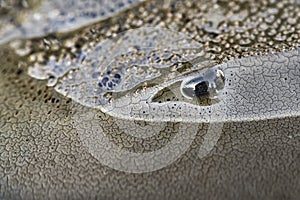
(240, 28)
(59, 16)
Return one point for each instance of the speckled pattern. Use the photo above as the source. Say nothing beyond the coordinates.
(43, 157)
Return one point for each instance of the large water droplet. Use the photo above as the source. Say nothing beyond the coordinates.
(207, 83)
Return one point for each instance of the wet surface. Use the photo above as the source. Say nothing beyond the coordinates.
(54, 146)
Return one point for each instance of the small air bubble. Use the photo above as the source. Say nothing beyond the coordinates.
(118, 76)
(105, 80)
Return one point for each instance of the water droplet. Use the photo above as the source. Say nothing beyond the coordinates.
(207, 83)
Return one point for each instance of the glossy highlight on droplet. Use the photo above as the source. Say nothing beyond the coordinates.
(205, 84)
